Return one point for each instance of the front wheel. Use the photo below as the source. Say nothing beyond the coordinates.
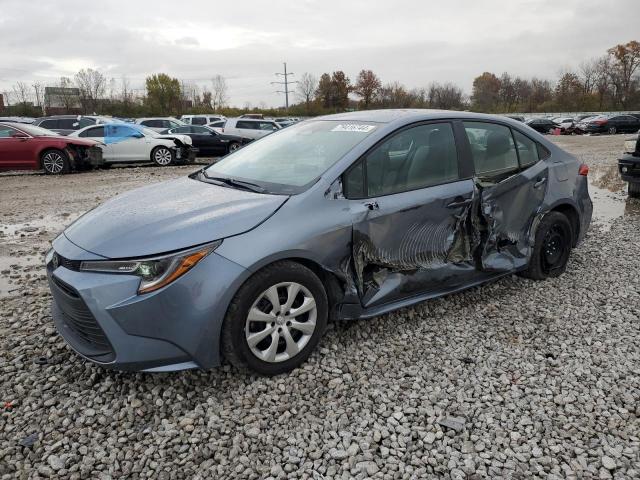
(634, 189)
(55, 162)
(276, 319)
(233, 146)
(552, 247)
(162, 156)
(612, 130)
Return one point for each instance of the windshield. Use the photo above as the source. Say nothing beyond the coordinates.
(37, 131)
(293, 157)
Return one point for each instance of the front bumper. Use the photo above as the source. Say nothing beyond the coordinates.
(186, 154)
(102, 317)
(629, 168)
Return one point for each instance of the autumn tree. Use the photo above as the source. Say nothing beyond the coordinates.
(163, 94)
(219, 92)
(507, 93)
(324, 90)
(486, 93)
(92, 85)
(625, 61)
(306, 89)
(568, 93)
(341, 86)
(446, 96)
(367, 87)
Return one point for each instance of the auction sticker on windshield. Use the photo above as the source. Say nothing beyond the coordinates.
(353, 127)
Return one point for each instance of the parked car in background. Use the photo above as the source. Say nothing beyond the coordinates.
(542, 125)
(347, 216)
(284, 122)
(27, 147)
(610, 124)
(200, 119)
(566, 124)
(629, 165)
(159, 124)
(129, 143)
(250, 127)
(66, 124)
(17, 119)
(209, 142)
(516, 117)
(258, 116)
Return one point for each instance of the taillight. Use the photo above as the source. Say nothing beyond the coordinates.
(600, 122)
(583, 170)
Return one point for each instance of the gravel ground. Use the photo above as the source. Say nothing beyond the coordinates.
(516, 379)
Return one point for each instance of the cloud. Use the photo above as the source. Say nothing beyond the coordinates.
(412, 41)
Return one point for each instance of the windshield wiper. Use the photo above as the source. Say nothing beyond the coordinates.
(233, 182)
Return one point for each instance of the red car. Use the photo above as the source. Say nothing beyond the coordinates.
(27, 147)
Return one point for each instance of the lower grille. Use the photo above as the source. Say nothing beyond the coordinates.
(79, 323)
(60, 261)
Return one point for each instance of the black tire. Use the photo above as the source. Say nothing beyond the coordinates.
(553, 242)
(612, 130)
(233, 146)
(163, 156)
(234, 345)
(55, 162)
(105, 166)
(634, 189)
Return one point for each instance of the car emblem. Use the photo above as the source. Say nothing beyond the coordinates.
(55, 261)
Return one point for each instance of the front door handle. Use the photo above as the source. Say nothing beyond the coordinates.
(540, 182)
(459, 202)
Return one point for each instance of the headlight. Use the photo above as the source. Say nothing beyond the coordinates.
(154, 272)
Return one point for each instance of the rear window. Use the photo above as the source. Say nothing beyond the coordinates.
(198, 121)
(247, 125)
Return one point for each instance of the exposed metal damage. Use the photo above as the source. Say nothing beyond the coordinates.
(481, 237)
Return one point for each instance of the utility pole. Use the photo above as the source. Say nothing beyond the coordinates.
(286, 84)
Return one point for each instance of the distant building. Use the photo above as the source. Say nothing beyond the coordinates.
(61, 100)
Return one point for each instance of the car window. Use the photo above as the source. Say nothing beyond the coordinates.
(198, 121)
(6, 132)
(181, 130)
(69, 123)
(492, 148)
(200, 130)
(96, 132)
(247, 125)
(527, 149)
(413, 158)
(49, 124)
(220, 124)
(295, 157)
(267, 126)
(85, 122)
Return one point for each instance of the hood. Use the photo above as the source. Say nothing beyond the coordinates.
(169, 216)
(183, 138)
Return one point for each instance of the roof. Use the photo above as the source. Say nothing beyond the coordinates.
(409, 115)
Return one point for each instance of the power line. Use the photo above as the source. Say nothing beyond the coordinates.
(286, 84)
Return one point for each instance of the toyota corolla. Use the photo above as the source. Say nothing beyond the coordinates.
(337, 218)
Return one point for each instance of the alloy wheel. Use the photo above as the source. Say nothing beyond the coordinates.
(612, 130)
(233, 147)
(162, 157)
(281, 322)
(53, 163)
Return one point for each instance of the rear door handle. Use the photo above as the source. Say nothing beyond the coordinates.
(540, 182)
(460, 203)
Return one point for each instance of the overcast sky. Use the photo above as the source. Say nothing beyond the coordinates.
(412, 41)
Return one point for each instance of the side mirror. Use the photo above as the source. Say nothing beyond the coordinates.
(138, 135)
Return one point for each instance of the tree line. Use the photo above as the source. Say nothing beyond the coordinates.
(609, 82)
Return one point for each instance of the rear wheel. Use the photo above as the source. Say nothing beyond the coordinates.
(634, 189)
(552, 247)
(162, 156)
(276, 319)
(55, 162)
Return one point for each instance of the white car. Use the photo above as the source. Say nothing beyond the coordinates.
(128, 143)
(201, 119)
(160, 124)
(249, 127)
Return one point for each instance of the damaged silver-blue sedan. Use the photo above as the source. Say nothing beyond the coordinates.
(341, 217)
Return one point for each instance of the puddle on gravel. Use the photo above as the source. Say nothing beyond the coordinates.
(48, 223)
(609, 194)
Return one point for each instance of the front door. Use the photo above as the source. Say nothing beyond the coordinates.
(16, 149)
(411, 210)
(512, 182)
